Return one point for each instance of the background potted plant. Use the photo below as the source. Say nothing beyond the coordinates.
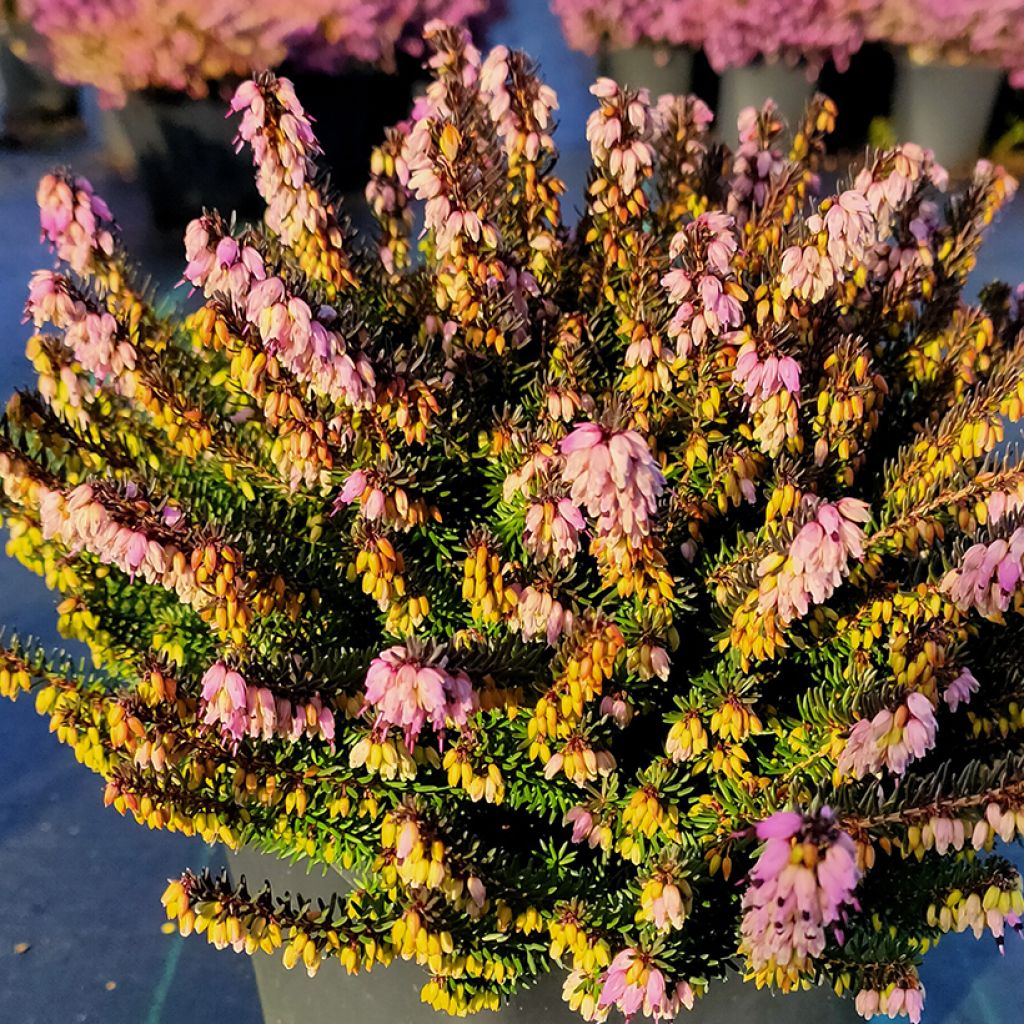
(34, 107)
(167, 70)
(951, 58)
(641, 601)
(758, 50)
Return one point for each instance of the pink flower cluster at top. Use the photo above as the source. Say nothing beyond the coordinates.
(121, 46)
(817, 560)
(892, 739)
(284, 160)
(989, 576)
(409, 690)
(731, 32)
(633, 984)
(614, 476)
(74, 220)
(800, 887)
(241, 709)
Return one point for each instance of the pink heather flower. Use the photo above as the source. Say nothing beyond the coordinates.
(960, 690)
(219, 264)
(409, 690)
(762, 378)
(93, 336)
(988, 576)
(307, 344)
(632, 984)
(791, 901)
(582, 822)
(1003, 503)
(74, 220)
(539, 613)
(553, 530)
(225, 700)
(617, 708)
(850, 228)
(240, 709)
(891, 739)
(807, 273)
(817, 560)
(615, 477)
(619, 133)
(901, 1000)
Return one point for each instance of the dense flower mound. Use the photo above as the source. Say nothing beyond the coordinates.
(645, 593)
(121, 46)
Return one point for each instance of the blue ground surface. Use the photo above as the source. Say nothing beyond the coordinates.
(78, 884)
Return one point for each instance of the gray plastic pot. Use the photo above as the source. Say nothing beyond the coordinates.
(391, 995)
(944, 107)
(661, 69)
(751, 86)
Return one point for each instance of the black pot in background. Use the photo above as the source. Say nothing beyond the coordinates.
(862, 93)
(184, 156)
(183, 152)
(351, 111)
(34, 107)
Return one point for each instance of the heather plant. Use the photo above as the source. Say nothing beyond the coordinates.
(957, 31)
(640, 599)
(121, 46)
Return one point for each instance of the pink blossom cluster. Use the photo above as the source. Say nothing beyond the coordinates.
(448, 170)
(527, 132)
(633, 984)
(960, 689)
(284, 150)
(759, 157)
(553, 529)
(614, 476)
(74, 220)
(538, 612)
(122, 46)
(80, 520)
(241, 709)
(305, 341)
(451, 218)
(93, 337)
(620, 132)
(891, 739)
(409, 688)
(888, 183)
(585, 826)
(901, 1000)
(760, 377)
(732, 33)
(800, 887)
(988, 576)
(817, 559)
(698, 290)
